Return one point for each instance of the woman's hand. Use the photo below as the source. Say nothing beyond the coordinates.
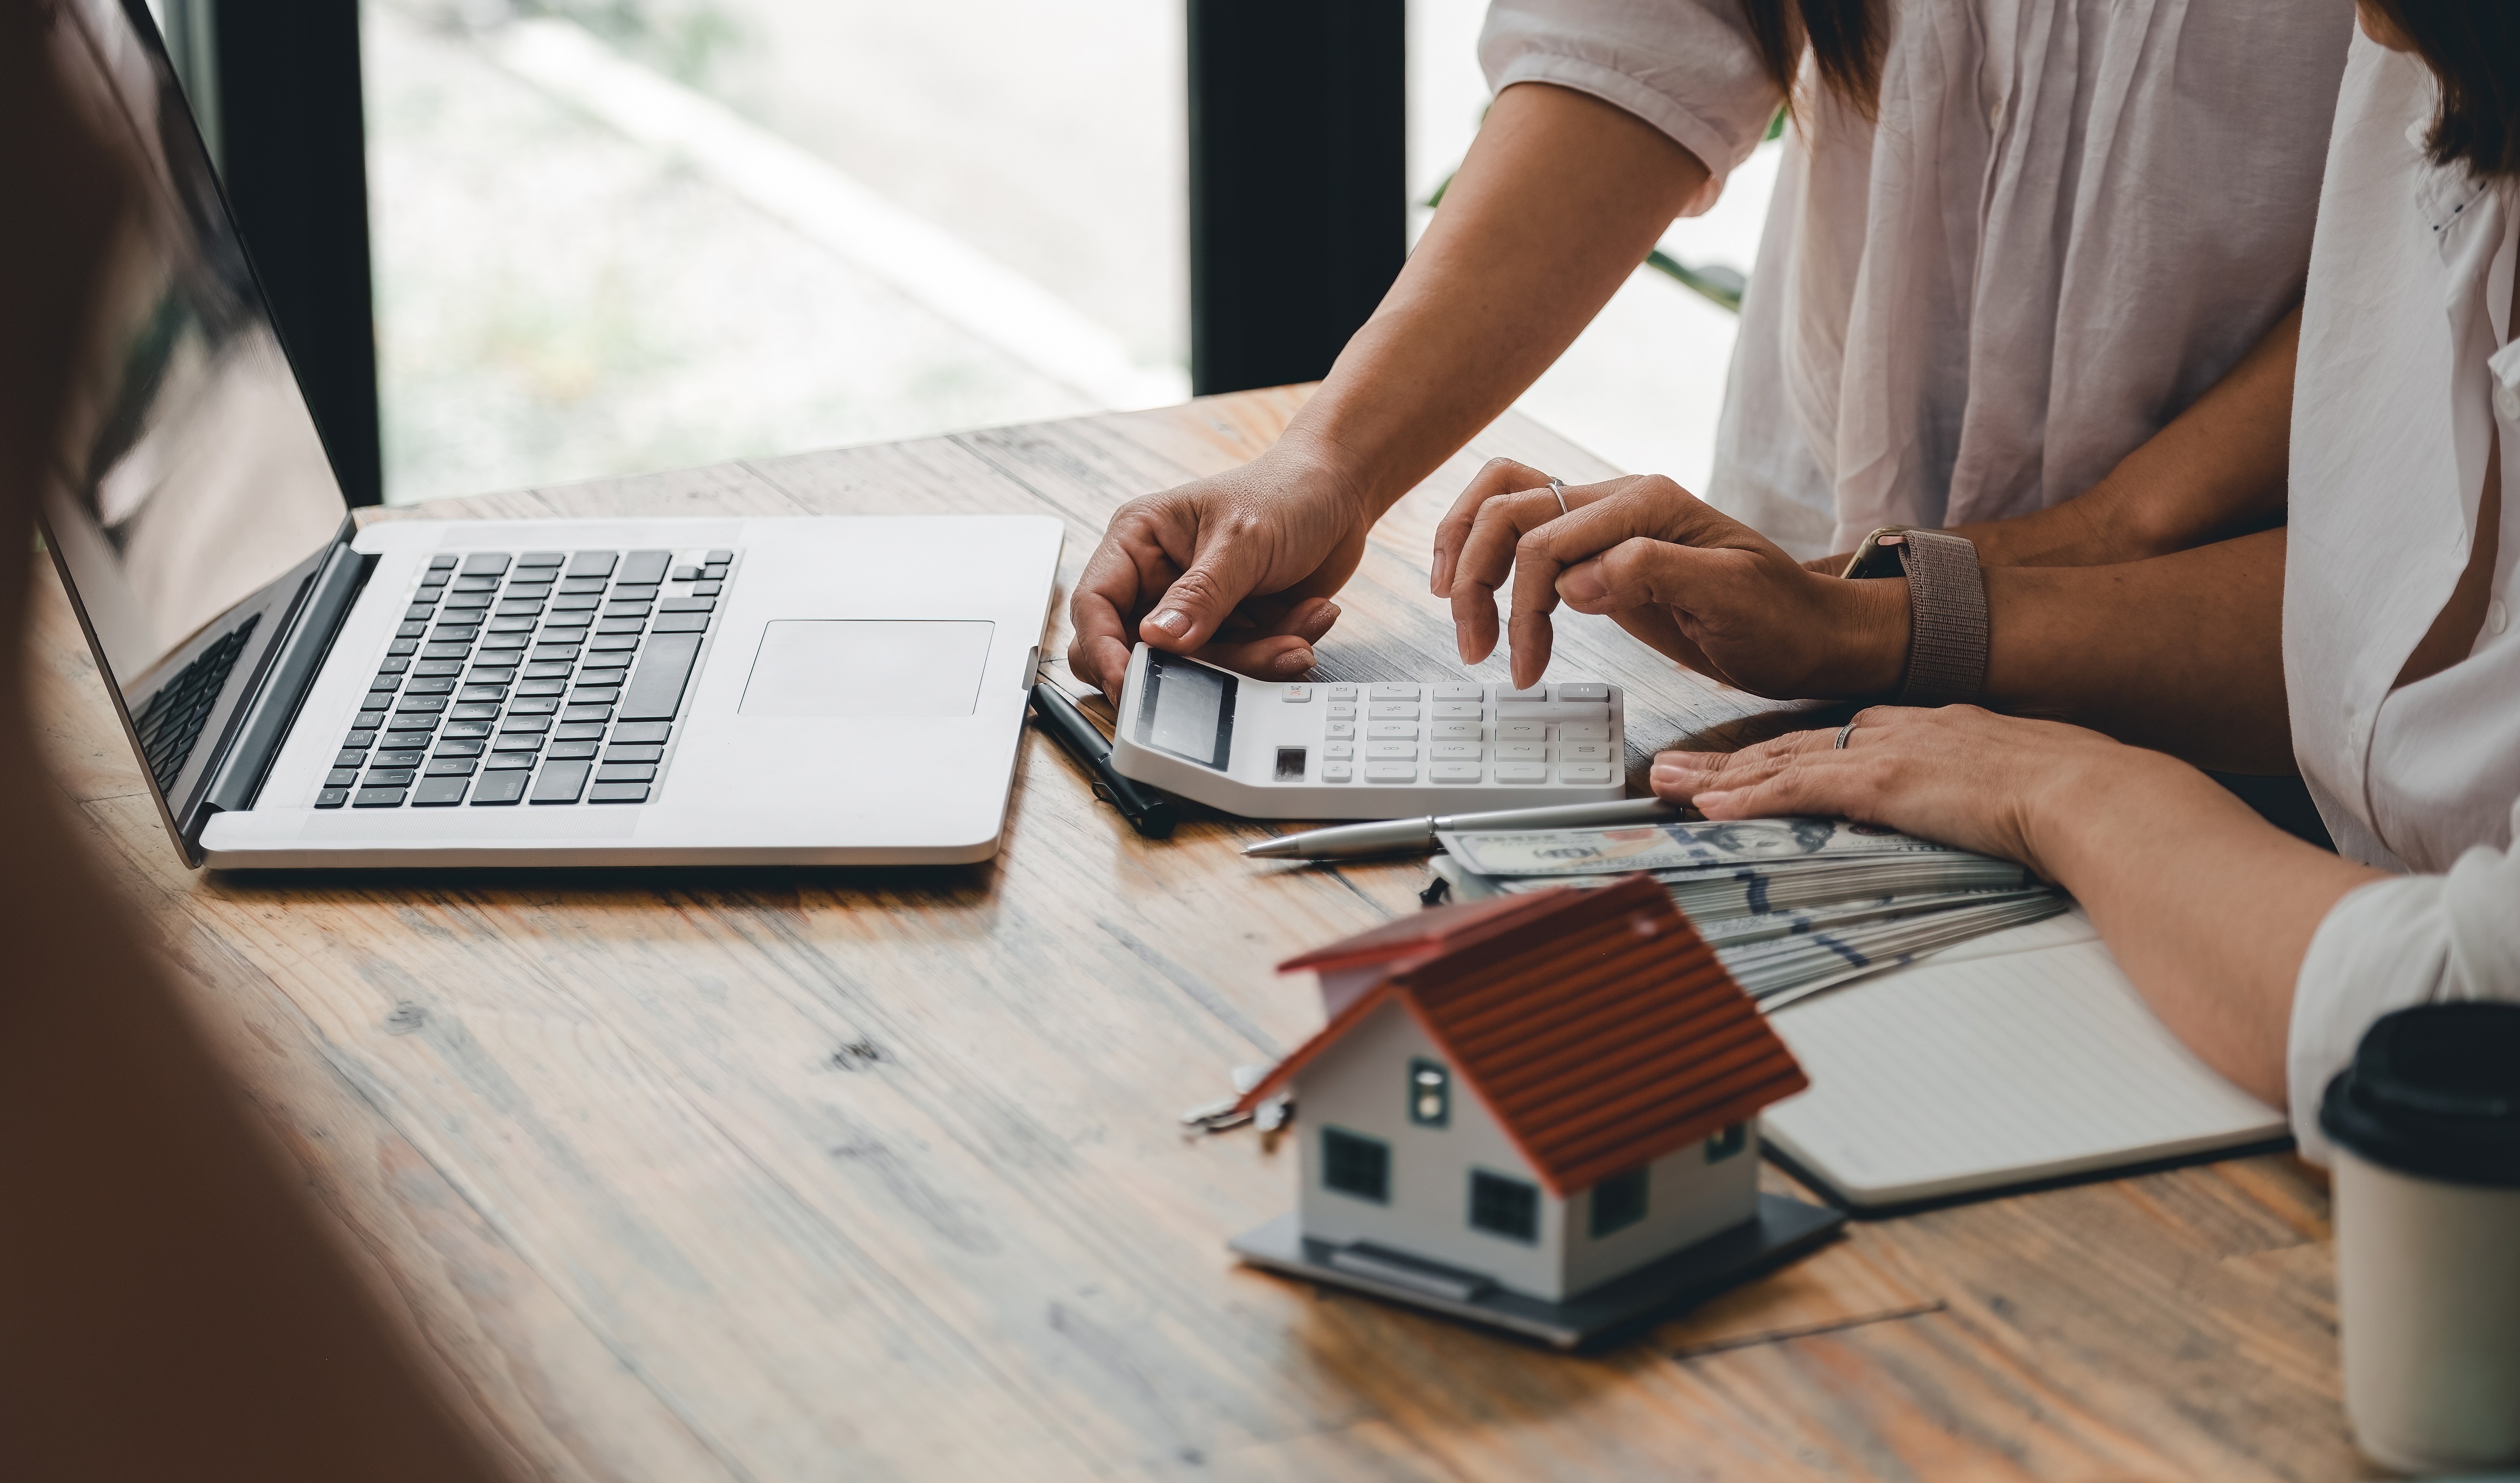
(1960, 775)
(1696, 585)
(1236, 569)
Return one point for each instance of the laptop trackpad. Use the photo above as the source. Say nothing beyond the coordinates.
(871, 667)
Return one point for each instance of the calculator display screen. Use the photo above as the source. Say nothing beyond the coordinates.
(1187, 711)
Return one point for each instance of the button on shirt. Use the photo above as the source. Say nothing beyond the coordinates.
(2068, 222)
(2406, 377)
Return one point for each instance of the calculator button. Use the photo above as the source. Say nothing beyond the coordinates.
(1342, 692)
(1387, 750)
(1585, 752)
(1454, 772)
(1453, 730)
(1339, 731)
(1392, 731)
(1336, 771)
(333, 797)
(1583, 692)
(498, 788)
(1339, 751)
(1395, 691)
(1460, 693)
(1582, 731)
(1521, 751)
(1521, 772)
(1387, 710)
(1536, 693)
(1584, 772)
(1377, 771)
(1455, 751)
(438, 792)
(1295, 694)
(1521, 731)
(1454, 710)
(1343, 710)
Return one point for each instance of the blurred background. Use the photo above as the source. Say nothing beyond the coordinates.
(612, 236)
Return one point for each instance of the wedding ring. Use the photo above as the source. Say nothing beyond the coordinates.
(1843, 733)
(1558, 490)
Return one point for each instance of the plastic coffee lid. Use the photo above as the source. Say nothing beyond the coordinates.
(2434, 1091)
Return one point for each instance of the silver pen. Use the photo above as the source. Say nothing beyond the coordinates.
(1393, 835)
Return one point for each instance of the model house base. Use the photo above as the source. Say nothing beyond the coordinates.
(1782, 1229)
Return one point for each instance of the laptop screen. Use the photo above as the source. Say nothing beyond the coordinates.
(191, 500)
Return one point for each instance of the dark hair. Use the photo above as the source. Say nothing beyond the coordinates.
(2473, 47)
(1845, 37)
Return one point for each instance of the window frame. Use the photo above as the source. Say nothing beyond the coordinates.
(1443, 1092)
(1331, 1162)
(1523, 1187)
(1597, 1225)
(1728, 1141)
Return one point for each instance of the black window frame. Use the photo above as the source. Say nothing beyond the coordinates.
(1442, 1091)
(1733, 1138)
(1628, 1198)
(1514, 1202)
(1338, 1146)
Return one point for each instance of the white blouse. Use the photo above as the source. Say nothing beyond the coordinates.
(2069, 221)
(2406, 378)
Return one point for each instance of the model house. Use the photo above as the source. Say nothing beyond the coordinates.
(1542, 1092)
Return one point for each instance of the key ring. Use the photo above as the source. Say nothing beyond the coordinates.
(1560, 491)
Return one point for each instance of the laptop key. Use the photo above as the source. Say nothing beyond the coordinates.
(420, 613)
(389, 777)
(352, 757)
(680, 623)
(506, 761)
(686, 573)
(577, 730)
(525, 723)
(590, 564)
(420, 704)
(626, 771)
(475, 712)
(587, 713)
(708, 589)
(405, 740)
(410, 758)
(409, 629)
(377, 797)
(546, 669)
(617, 793)
(542, 559)
(452, 767)
(574, 751)
(533, 705)
(440, 793)
(645, 567)
(485, 563)
(639, 732)
(439, 669)
(333, 797)
(342, 777)
(542, 687)
(466, 729)
(498, 788)
(559, 781)
(615, 642)
(648, 753)
(688, 604)
(444, 561)
(447, 650)
(407, 643)
(656, 690)
(429, 684)
(458, 748)
(620, 625)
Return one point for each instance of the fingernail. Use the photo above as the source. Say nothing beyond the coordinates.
(1705, 801)
(1295, 661)
(1171, 620)
(1664, 772)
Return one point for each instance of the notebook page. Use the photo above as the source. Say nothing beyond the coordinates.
(2025, 1054)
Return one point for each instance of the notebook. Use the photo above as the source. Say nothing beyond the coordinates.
(2021, 1057)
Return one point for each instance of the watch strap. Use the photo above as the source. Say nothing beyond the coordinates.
(1946, 618)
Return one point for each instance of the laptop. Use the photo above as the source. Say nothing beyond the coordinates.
(302, 693)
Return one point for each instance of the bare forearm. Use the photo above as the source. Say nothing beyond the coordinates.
(1562, 197)
(2208, 908)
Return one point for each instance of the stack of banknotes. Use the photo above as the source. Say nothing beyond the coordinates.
(1791, 906)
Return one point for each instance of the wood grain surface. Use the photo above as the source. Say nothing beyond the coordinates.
(870, 1174)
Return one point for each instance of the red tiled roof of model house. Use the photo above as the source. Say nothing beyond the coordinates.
(1596, 1025)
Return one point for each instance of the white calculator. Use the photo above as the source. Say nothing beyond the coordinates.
(1366, 751)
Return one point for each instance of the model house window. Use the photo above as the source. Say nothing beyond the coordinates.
(1358, 1166)
(1725, 1145)
(1504, 1206)
(1618, 1203)
(1431, 1092)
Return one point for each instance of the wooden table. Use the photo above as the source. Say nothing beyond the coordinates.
(873, 1174)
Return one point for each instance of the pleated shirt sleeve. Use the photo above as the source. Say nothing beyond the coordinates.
(2391, 945)
(1687, 66)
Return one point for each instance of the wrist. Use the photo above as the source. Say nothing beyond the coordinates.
(1870, 623)
(2096, 783)
(1322, 468)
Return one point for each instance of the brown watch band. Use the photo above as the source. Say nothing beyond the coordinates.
(1947, 632)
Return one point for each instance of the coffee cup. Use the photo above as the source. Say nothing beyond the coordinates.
(2426, 1128)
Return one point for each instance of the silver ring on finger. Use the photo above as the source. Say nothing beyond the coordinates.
(1844, 731)
(1560, 491)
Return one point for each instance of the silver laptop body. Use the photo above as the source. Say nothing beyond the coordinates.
(302, 694)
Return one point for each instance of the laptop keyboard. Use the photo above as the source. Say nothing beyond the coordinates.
(172, 720)
(550, 676)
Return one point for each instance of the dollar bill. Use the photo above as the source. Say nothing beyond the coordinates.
(1817, 959)
(1839, 917)
(1677, 846)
